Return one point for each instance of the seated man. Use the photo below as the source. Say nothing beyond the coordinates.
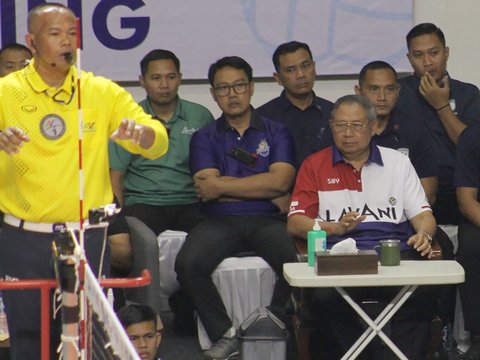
(304, 113)
(467, 182)
(160, 192)
(144, 328)
(446, 106)
(396, 129)
(13, 57)
(240, 164)
(402, 131)
(368, 193)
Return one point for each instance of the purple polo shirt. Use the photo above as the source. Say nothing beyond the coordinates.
(211, 147)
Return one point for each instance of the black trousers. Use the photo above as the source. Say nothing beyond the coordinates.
(468, 255)
(165, 217)
(217, 238)
(339, 326)
(28, 255)
(157, 218)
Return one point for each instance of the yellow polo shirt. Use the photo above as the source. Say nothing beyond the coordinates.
(41, 182)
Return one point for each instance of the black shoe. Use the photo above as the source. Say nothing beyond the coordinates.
(184, 322)
(225, 348)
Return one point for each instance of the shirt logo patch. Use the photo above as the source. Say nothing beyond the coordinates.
(453, 104)
(333, 181)
(263, 149)
(187, 131)
(52, 127)
(392, 201)
(29, 108)
(89, 127)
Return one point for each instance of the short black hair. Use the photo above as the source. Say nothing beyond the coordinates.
(375, 65)
(235, 62)
(15, 46)
(425, 29)
(135, 313)
(288, 48)
(158, 54)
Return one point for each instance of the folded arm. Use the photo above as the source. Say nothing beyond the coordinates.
(209, 185)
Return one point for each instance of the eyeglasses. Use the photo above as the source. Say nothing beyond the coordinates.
(342, 126)
(147, 337)
(224, 90)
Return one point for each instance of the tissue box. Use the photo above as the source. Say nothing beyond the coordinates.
(365, 262)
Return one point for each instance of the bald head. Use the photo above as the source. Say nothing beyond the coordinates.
(42, 9)
(52, 37)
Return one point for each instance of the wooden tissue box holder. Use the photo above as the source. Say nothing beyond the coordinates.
(364, 262)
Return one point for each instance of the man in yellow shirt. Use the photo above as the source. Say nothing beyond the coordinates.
(39, 159)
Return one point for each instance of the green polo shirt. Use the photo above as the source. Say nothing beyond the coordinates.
(166, 180)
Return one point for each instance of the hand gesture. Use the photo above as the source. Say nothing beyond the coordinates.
(349, 221)
(435, 95)
(12, 139)
(129, 130)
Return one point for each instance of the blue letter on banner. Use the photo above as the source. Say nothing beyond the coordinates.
(140, 24)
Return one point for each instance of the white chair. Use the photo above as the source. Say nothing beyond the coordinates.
(244, 283)
(169, 244)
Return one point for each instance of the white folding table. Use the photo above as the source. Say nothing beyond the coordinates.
(409, 275)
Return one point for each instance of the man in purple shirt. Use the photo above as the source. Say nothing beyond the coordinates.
(242, 164)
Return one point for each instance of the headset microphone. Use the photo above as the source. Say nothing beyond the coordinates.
(38, 55)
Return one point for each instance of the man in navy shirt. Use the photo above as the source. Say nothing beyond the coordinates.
(298, 108)
(240, 164)
(467, 182)
(446, 106)
(397, 130)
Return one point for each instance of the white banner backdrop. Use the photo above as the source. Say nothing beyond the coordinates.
(343, 34)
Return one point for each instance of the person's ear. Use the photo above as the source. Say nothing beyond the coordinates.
(214, 95)
(30, 41)
(276, 76)
(358, 90)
